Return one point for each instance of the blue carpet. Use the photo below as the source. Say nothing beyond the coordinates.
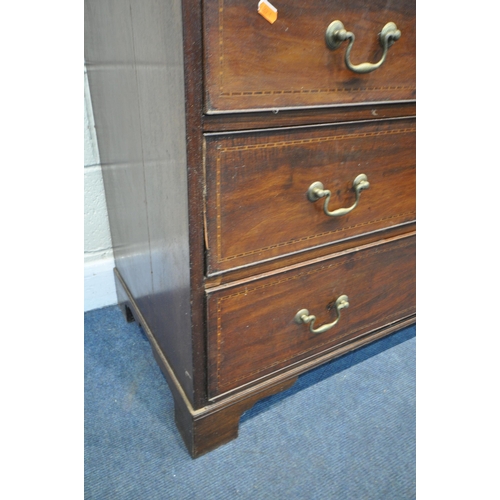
(344, 431)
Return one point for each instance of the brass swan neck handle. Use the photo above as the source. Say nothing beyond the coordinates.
(316, 191)
(303, 316)
(336, 34)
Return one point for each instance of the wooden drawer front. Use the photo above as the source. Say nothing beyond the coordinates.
(251, 326)
(256, 203)
(253, 64)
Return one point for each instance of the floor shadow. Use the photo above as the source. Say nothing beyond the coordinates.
(333, 367)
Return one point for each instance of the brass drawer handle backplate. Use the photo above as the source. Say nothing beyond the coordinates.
(336, 34)
(316, 191)
(303, 316)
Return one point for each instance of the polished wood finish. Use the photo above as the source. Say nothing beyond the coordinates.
(134, 84)
(251, 328)
(193, 105)
(256, 200)
(252, 64)
(204, 429)
(252, 272)
(295, 117)
(179, 157)
(214, 426)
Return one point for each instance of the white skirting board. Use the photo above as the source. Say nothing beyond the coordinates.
(99, 284)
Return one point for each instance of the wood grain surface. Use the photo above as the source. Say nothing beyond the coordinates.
(297, 117)
(134, 55)
(251, 328)
(252, 64)
(256, 201)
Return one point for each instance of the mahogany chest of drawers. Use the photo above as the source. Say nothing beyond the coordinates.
(259, 167)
